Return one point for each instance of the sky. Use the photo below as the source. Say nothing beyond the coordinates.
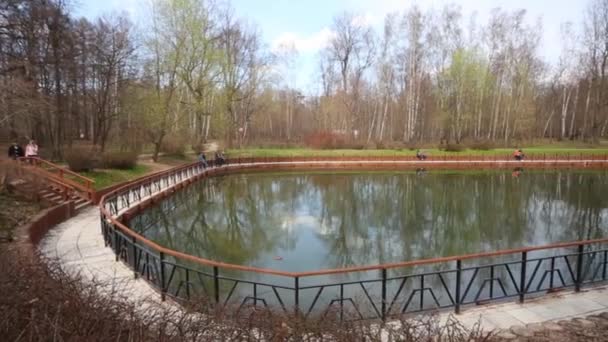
(307, 23)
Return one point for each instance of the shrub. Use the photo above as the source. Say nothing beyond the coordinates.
(119, 160)
(482, 145)
(352, 146)
(173, 145)
(451, 147)
(380, 145)
(277, 144)
(80, 159)
(411, 146)
(325, 140)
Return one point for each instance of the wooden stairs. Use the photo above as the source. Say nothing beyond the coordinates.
(50, 183)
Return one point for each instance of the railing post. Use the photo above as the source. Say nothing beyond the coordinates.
(522, 279)
(297, 294)
(135, 259)
(384, 294)
(255, 294)
(341, 302)
(116, 250)
(163, 288)
(458, 277)
(579, 269)
(216, 284)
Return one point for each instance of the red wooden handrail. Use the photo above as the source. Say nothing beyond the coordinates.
(58, 174)
(65, 189)
(207, 262)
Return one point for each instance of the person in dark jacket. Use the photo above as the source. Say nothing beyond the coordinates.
(420, 155)
(219, 159)
(203, 159)
(15, 151)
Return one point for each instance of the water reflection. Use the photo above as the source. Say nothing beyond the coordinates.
(298, 222)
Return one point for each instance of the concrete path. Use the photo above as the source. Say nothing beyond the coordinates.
(548, 308)
(78, 246)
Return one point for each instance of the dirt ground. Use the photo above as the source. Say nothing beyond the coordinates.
(14, 211)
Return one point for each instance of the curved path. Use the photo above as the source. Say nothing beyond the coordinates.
(78, 246)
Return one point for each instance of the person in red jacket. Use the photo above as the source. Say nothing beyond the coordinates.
(518, 155)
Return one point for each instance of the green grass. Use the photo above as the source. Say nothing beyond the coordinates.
(549, 151)
(106, 177)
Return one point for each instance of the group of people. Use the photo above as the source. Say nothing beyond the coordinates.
(420, 155)
(15, 151)
(220, 159)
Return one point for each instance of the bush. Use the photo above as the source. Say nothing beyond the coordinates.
(276, 144)
(174, 146)
(80, 159)
(325, 140)
(119, 160)
(353, 146)
(451, 148)
(412, 146)
(482, 145)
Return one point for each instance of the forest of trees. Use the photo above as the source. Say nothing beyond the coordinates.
(196, 71)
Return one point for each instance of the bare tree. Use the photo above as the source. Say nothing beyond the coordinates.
(352, 49)
(240, 71)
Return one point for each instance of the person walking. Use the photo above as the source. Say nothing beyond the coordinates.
(31, 150)
(15, 151)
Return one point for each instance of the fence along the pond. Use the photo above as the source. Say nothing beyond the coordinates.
(387, 291)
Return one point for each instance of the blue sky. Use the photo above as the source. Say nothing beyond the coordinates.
(307, 22)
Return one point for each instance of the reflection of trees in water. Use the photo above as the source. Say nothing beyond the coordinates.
(373, 218)
(440, 215)
(227, 219)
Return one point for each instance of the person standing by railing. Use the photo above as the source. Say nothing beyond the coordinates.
(15, 151)
(31, 150)
(420, 155)
(220, 159)
(203, 159)
(518, 154)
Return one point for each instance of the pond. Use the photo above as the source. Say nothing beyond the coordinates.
(306, 221)
(311, 221)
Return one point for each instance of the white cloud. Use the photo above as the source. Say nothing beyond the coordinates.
(303, 44)
(367, 19)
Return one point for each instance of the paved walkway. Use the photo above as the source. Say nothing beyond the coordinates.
(548, 308)
(78, 245)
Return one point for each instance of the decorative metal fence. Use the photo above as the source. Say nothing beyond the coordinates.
(367, 292)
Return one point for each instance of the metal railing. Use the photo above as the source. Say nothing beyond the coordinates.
(361, 292)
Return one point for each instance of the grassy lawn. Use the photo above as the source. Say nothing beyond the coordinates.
(106, 177)
(303, 152)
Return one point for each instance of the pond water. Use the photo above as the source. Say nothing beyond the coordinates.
(306, 221)
(310, 221)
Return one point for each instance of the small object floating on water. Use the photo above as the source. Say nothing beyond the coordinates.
(278, 258)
